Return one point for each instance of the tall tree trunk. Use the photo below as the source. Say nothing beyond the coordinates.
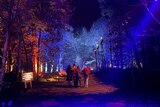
(19, 54)
(26, 55)
(38, 58)
(39, 41)
(136, 54)
(2, 70)
(9, 60)
(121, 51)
(111, 52)
(135, 51)
(8, 26)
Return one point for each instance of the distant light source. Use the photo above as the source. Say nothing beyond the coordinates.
(110, 65)
(57, 69)
(41, 67)
(101, 40)
(156, 0)
(12, 67)
(91, 68)
(46, 67)
(51, 68)
(36, 67)
(97, 45)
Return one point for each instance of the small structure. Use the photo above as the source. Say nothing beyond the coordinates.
(27, 77)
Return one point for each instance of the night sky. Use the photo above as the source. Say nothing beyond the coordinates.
(85, 13)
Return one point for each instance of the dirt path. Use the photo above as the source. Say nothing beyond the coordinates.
(97, 94)
(95, 87)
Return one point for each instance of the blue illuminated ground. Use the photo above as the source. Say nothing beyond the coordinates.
(98, 94)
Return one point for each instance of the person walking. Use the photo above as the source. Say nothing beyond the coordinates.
(69, 75)
(79, 75)
(86, 73)
(75, 75)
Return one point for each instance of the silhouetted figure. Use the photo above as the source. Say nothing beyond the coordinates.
(79, 75)
(75, 76)
(69, 75)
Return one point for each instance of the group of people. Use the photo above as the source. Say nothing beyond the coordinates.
(74, 73)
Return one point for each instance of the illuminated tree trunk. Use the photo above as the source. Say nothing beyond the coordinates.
(26, 55)
(7, 35)
(9, 60)
(19, 54)
(111, 51)
(34, 61)
(34, 51)
(38, 58)
(2, 71)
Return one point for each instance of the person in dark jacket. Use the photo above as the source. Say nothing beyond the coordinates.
(79, 75)
(69, 75)
(75, 75)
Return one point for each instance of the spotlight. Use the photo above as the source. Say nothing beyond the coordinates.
(97, 46)
(101, 38)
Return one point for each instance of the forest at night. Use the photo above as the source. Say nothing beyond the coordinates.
(117, 42)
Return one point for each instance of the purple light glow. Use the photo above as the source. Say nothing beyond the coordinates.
(147, 18)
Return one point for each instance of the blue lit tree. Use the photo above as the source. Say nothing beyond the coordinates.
(79, 47)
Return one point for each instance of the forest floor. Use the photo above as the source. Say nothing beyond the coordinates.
(98, 94)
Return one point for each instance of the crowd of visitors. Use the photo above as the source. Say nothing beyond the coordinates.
(76, 75)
